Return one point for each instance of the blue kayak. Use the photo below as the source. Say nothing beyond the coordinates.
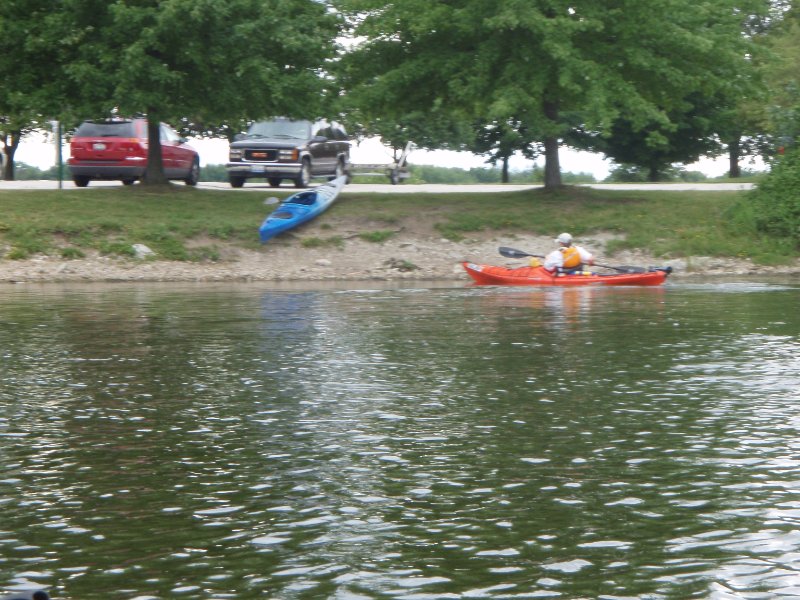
(300, 208)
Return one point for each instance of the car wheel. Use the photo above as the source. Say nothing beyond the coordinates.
(80, 180)
(128, 181)
(194, 174)
(304, 178)
(274, 181)
(339, 170)
(236, 182)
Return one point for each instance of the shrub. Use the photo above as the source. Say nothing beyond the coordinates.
(774, 206)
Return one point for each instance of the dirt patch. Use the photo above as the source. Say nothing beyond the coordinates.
(413, 251)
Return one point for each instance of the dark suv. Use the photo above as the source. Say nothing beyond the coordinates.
(281, 149)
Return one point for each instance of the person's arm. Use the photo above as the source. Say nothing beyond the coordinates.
(553, 260)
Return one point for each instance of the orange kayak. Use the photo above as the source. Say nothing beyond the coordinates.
(492, 275)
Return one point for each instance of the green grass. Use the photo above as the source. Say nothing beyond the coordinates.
(189, 224)
(111, 220)
(376, 237)
(664, 223)
(335, 241)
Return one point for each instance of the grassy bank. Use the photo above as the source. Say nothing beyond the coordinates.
(187, 224)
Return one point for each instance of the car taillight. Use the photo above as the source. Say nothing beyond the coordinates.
(133, 146)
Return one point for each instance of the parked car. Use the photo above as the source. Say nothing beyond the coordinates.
(117, 149)
(280, 149)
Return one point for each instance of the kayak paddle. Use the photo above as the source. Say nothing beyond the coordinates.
(514, 253)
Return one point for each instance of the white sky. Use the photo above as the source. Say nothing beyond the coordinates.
(39, 150)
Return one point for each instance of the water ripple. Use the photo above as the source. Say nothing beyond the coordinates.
(442, 443)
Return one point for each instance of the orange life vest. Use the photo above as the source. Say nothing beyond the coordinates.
(571, 258)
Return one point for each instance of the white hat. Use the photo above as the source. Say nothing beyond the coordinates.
(564, 238)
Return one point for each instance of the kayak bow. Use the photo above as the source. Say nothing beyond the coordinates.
(300, 208)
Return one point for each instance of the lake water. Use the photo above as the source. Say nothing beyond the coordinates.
(436, 441)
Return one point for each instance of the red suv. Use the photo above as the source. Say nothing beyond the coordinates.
(117, 149)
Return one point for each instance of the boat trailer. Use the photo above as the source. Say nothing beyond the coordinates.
(396, 171)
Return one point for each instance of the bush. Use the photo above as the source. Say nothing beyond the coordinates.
(774, 206)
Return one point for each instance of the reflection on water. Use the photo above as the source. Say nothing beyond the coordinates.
(468, 442)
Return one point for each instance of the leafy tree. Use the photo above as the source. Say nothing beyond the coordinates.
(781, 111)
(501, 140)
(29, 88)
(203, 62)
(549, 60)
(687, 136)
(740, 120)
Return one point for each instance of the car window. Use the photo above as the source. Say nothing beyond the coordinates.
(281, 128)
(123, 129)
(168, 134)
(317, 128)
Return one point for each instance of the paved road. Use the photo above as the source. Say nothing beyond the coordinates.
(407, 188)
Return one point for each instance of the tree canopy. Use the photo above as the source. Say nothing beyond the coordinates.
(203, 61)
(551, 63)
(489, 77)
(782, 73)
(30, 91)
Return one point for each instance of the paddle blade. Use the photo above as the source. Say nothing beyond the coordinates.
(623, 268)
(629, 269)
(514, 253)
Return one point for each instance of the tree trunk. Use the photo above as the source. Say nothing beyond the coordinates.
(154, 173)
(552, 168)
(504, 177)
(10, 145)
(653, 174)
(734, 150)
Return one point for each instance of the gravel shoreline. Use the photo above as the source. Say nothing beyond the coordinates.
(402, 257)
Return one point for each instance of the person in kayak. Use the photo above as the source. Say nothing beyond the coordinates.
(567, 258)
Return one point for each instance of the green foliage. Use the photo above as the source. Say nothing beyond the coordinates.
(781, 70)
(656, 146)
(116, 247)
(401, 264)
(773, 207)
(204, 254)
(376, 237)
(136, 61)
(202, 63)
(317, 242)
(71, 252)
(214, 173)
(455, 175)
(547, 69)
(636, 174)
(26, 241)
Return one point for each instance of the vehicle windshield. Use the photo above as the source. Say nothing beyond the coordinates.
(300, 130)
(122, 129)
